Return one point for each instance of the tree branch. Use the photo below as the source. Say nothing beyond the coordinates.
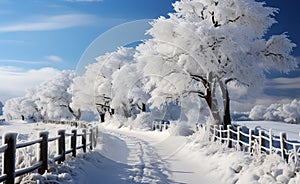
(200, 79)
(235, 79)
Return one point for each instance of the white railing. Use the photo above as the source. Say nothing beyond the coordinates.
(258, 141)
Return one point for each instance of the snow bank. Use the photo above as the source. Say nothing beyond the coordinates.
(289, 113)
(235, 166)
(143, 121)
(180, 129)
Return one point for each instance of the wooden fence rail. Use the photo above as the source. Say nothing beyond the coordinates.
(10, 145)
(257, 141)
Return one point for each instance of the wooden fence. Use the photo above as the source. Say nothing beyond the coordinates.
(9, 172)
(258, 141)
(157, 125)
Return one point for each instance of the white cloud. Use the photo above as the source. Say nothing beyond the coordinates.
(284, 83)
(54, 58)
(45, 23)
(15, 81)
(277, 90)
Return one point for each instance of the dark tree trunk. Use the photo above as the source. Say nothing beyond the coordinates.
(77, 116)
(208, 98)
(112, 111)
(226, 117)
(143, 107)
(102, 118)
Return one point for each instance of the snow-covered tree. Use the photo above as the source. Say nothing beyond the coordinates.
(206, 44)
(21, 108)
(53, 98)
(128, 94)
(93, 90)
(289, 112)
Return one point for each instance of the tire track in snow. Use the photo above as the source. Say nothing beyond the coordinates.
(146, 165)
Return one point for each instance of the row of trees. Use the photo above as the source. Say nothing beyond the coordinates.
(201, 49)
(50, 100)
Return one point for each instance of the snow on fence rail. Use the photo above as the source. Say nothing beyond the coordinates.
(9, 147)
(259, 141)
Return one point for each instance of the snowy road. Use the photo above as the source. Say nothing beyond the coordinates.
(125, 156)
(146, 157)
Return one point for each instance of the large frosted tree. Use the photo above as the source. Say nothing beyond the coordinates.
(93, 90)
(21, 108)
(127, 87)
(205, 44)
(49, 101)
(53, 98)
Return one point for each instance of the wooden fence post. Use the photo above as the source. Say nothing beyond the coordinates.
(166, 126)
(153, 125)
(91, 139)
(283, 146)
(10, 157)
(83, 140)
(73, 142)
(43, 154)
(62, 145)
(229, 142)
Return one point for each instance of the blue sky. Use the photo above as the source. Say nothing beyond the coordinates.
(55, 33)
(38, 37)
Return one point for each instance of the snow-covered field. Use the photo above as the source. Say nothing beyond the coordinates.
(292, 130)
(134, 156)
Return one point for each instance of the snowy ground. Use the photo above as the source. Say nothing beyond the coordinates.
(130, 156)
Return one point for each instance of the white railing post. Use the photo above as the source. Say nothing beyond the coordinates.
(270, 141)
(250, 140)
(229, 143)
(215, 132)
(238, 136)
(261, 133)
(283, 146)
(221, 133)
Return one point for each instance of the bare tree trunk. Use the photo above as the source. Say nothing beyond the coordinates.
(77, 116)
(212, 100)
(226, 102)
(102, 118)
(210, 95)
(143, 107)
